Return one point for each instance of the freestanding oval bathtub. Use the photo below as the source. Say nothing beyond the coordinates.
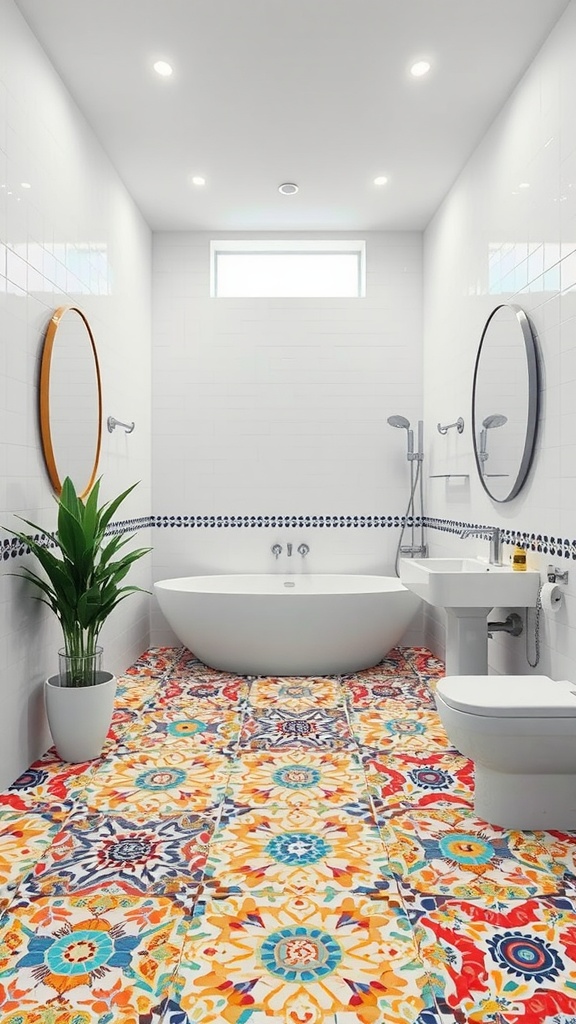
(287, 625)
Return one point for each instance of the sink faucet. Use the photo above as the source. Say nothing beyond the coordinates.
(493, 533)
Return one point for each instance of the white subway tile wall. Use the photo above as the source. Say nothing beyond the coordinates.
(506, 232)
(73, 237)
(278, 407)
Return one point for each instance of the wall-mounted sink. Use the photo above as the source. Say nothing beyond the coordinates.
(468, 588)
(469, 583)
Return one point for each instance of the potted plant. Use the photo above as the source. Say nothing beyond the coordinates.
(82, 586)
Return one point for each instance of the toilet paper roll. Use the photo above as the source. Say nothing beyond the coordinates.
(551, 597)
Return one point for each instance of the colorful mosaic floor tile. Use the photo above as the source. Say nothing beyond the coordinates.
(287, 850)
(301, 959)
(100, 853)
(299, 852)
(297, 777)
(423, 779)
(107, 958)
(395, 732)
(295, 693)
(513, 964)
(193, 727)
(450, 852)
(173, 780)
(322, 729)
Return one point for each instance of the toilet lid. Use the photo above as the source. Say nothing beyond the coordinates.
(509, 696)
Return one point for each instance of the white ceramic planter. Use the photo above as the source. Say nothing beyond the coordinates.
(79, 717)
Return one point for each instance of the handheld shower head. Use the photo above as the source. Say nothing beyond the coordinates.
(404, 424)
(496, 420)
(399, 421)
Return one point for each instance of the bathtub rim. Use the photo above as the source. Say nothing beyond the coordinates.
(287, 585)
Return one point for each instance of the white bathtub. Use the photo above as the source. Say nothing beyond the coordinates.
(287, 625)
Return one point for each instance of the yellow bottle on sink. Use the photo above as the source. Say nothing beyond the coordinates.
(519, 559)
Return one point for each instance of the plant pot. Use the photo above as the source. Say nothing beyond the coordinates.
(80, 717)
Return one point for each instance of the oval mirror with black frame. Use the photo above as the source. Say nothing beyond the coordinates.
(70, 400)
(505, 402)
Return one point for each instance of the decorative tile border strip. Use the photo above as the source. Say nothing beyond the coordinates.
(12, 547)
(560, 547)
(547, 545)
(281, 521)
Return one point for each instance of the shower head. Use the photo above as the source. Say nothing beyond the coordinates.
(496, 420)
(399, 421)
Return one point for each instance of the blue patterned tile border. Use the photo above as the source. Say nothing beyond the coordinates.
(558, 546)
(12, 547)
(208, 522)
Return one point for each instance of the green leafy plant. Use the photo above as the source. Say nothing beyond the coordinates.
(82, 587)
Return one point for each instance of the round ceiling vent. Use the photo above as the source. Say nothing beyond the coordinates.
(288, 188)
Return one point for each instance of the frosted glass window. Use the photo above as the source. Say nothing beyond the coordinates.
(288, 273)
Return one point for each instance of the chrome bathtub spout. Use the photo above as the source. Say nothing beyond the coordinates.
(289, 549)
(276, 550)
(495, 538)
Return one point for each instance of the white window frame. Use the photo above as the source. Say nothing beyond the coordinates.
(349, 246)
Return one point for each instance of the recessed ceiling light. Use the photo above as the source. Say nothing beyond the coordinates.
(25, 184)
(381, 180)
(421, 67)
(524, 184)
(197, 180)
(161, 67)
(288, 188)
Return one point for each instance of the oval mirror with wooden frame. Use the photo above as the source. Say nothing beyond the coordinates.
(70, 401)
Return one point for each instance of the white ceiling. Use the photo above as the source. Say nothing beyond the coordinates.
(311, 91)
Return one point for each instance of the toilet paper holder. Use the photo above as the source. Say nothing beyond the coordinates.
(556, 575)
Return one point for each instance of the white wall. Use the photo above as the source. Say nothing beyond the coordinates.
(277, 408)
(74, 237)
(530, 235)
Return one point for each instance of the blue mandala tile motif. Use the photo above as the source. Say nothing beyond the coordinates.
(526, 957)
(281, 954)
(320, 729)
(297, 848)
(97, 853)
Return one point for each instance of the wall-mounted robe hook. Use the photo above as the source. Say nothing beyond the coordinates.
(113, 423)
(459, 424)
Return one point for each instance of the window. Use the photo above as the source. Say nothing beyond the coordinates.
(288, 269)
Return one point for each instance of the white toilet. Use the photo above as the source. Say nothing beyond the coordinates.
(520, 731)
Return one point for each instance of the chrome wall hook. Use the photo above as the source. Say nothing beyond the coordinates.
(459, 424)
(113, 423)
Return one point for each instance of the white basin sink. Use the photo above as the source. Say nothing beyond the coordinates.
(469, 583)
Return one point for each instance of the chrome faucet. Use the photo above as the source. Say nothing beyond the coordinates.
(493, 533)
(303, 550)
(276, 550)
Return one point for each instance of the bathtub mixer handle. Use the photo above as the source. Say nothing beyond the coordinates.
(276, 550)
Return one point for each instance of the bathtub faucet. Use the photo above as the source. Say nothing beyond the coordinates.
(276, 550)
(303, 550)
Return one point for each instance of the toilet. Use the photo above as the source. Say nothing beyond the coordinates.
(520, 732)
